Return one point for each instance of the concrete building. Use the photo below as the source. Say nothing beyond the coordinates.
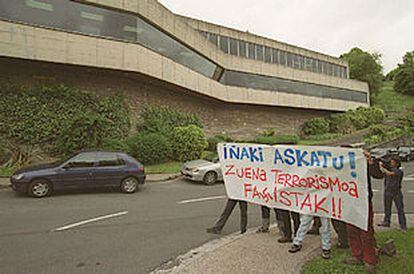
(237, 82)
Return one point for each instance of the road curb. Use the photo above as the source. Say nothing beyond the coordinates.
(162, 179)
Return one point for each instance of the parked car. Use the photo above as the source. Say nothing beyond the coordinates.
(379, 153)
(202, 170)
(405, 154)
(90, 169)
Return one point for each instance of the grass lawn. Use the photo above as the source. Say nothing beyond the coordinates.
(169, 167)
(392, 101)
(402, 263)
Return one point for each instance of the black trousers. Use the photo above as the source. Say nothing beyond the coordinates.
(228, 209)
(339, 227)
(286, 218)
(266, 213)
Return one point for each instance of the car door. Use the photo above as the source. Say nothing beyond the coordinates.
(110, 169)
(77, 172)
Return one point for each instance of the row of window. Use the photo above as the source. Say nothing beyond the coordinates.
(245, 49)
(254, 81)
(90, 160)
(78, 17)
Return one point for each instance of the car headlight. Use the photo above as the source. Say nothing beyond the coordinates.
(195, 170)
(18, 177)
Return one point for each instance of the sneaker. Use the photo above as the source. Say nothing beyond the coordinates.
(213, 230)
(369, 268)
(295, 248)
(352, 261)
(284, 239)
(384, 224)
(326, 254)
(313, 231)
(262, 230)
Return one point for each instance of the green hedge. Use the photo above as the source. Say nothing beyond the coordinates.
(165, 119)
(188, 143)
(344, 123)
(149, 148)
(316, 126)
(214, 140)
(61, 119)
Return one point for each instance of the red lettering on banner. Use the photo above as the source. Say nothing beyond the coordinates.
(318, 204)
(283, 199)
(306, 202)
(229, 170)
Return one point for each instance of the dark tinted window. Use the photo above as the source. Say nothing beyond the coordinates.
(91, 20)
(261, 82)
(259, 52)
(268, 55)
(252, 51)
(233, 46)
(289, 58)
(82, 160)
(213, 38)
(275, 54)
(242, 49)
(282, 58)
(224, 44)
(109, 160)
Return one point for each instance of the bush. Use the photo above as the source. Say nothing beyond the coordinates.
(149, 148)
(341, 123)
(165, 119)
(188, 143)
(214, 140)
(316, 126)
(115, 145)
(84, 131)
(50, 116)
(277, 139)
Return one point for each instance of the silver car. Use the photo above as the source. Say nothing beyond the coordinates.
(205, 171)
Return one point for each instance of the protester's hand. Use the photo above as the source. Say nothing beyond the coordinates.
(368, 156)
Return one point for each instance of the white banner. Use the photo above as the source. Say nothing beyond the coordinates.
(322, 181)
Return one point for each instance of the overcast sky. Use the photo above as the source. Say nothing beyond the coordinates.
(327, 26)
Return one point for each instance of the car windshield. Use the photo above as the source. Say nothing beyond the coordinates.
(404, 149)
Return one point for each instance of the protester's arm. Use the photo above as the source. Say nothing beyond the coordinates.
(386, 171)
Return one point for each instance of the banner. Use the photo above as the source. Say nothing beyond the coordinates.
(322, 181)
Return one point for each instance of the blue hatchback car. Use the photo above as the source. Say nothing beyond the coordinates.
(90, 169)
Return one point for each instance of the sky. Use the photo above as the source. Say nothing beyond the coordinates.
(327, 26)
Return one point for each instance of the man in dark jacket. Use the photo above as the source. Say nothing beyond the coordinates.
(392, 192)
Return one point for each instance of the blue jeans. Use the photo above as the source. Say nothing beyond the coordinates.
(305, 225)
(398, 199)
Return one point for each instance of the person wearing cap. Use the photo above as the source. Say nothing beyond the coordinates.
(392, 192)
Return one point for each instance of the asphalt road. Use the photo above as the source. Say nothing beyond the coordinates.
(162, 221)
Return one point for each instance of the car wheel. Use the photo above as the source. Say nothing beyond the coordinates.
(129, 185)
(210, 178)
(40, 188)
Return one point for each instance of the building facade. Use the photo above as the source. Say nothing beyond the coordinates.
(238, 83)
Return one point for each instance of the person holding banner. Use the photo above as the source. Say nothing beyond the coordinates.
(219, 224)
(305, 225)
(362, 243)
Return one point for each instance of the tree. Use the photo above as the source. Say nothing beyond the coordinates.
(365, 66)
(404, 78)
(391, 75)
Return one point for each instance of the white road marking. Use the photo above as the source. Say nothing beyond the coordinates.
(91, 220)
(410, 191)
(201, 199)
(375, 190)
(409, 179)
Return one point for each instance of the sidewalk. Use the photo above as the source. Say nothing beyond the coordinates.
(254, 253)
(5, 181)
